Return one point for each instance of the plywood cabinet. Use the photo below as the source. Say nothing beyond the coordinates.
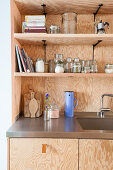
(95, 154)
(43, 154)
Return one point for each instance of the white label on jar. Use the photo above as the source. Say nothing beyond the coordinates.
(40, 66)
(59, 69)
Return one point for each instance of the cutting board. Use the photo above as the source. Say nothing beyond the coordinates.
(32, 104)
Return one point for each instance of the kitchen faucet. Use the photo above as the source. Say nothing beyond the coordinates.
(101, 113)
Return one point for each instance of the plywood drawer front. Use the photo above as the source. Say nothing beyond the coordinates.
(95, 154)
(42, 154)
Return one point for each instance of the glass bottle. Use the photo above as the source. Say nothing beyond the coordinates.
(68, 65)
(51, 66)
(59, 63)
(76, 65)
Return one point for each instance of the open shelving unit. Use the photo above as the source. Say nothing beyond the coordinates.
(87, 87)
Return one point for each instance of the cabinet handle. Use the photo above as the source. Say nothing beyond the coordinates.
(43, 148)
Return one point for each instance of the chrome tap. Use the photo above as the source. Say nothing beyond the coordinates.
(102, 110)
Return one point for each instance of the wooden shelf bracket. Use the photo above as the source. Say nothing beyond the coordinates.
(94, 45)
(45, 45)
(95, 13)
(44, 9)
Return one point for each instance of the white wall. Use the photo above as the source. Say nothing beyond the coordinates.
(5, 79)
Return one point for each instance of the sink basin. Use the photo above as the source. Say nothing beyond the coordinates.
(96, 123)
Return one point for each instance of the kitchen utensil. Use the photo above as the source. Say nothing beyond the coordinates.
(33, 105)
(69, 103)
(100, 27)
(27, 99)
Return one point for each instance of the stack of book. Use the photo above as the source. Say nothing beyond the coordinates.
(35, 24)
(25, 63)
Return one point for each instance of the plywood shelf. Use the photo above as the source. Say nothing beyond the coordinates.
(36, 38)
(78, 75)
(60, 6)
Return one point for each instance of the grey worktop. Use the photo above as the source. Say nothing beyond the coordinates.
(54, 128)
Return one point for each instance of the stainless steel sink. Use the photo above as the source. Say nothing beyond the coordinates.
(96, 123)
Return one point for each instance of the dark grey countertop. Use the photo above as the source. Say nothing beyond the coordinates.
(55, 128)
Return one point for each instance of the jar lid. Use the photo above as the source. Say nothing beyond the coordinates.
(54, 27)
(69, 59)
(59, 56)
(109, 66)
(76, 59)
(39, 59)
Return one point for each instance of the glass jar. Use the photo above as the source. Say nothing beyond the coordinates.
(39, 67)
(53, 111)
(82, 66)
(69, 23)
(93, 66)
(68, 65)
(87, 68)
(46, 67)
(54, 29)
(51, 66)
(59, 63)
(108, 68)
(76, 65)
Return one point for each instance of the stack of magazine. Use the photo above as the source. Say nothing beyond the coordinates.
(34, 24)
(25, 63)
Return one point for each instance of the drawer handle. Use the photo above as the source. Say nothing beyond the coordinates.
(43, 148)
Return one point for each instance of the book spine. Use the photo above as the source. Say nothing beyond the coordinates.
(18, 59)
(22, 60)
(35, 17)
(28, 63)
(35, 24)
(31, 64)
(35, 31)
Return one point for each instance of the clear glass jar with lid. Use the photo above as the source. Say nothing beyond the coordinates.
(53, 111)
(59, 63)
(108, 68)
(68, 68)
(76, 65)
(39, 67)
(69, 23)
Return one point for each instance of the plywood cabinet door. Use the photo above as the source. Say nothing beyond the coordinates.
(43, 154)
(95, 154)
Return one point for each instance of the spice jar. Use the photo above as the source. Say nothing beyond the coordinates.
(51, 66)
(76, 65)
(68, 65)
(46, 67)
(69, 23)
(59, 63)
(54, 29)
(109, 68)
(39, 67)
